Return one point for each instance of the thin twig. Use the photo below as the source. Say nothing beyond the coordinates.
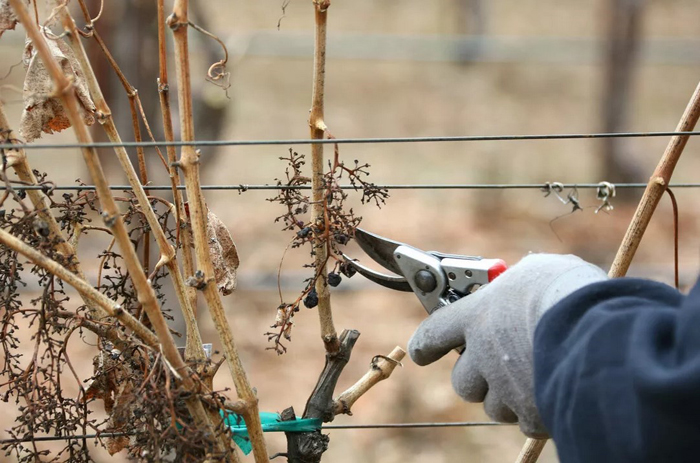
(380, 369)
(184, 231)
(131, 92)
(657, 185)
(217, 71)
(189, 163)
(167, 253)
(674, 205)
(531, 450)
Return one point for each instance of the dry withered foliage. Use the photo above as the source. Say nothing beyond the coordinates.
(8, 20)
(111, 385)
(132, 382)
(224, 254)
(43, 110)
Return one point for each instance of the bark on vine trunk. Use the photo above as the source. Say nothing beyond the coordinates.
(308, 447)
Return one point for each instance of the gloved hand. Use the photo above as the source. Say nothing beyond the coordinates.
(497, 324)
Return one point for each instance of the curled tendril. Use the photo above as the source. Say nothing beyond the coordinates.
(217, 72)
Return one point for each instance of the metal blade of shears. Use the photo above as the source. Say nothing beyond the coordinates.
(395, 282)
(380, 249)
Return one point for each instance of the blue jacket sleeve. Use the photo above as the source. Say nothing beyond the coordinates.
(617, 373)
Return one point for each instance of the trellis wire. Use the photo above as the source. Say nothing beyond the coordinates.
(244, 187)
(454, 424)
(346, 141)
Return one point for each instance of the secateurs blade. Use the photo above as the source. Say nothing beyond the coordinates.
(437, 279)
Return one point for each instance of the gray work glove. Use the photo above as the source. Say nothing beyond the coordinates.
(497, 325)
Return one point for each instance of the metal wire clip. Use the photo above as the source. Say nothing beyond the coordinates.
(606, 191)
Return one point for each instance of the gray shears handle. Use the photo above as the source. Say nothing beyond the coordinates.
(439, 281)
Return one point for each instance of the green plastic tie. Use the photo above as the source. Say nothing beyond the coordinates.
(271, 422)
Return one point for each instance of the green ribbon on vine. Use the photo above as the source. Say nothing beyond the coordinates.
(271, 422)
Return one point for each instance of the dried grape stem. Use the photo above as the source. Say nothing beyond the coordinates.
(380, 369)
(189, 163)
(18, 161)
(112, 218)
(106, 306)
(167, 253)
(318, 211)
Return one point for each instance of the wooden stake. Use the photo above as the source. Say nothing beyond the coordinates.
(655, 189)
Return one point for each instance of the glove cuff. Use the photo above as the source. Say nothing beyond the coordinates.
(573, 279)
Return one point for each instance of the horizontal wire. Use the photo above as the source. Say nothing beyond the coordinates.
(456, 186)
(454, 424)
(346, 141)
(242, 187)
(57, 438)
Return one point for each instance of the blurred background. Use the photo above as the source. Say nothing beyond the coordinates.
(406, 69)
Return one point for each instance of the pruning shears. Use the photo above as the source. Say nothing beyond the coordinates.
(436, 278)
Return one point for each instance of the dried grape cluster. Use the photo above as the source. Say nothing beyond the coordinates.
(32, 379)
(150, 397)
(335, 230)
(38, 333)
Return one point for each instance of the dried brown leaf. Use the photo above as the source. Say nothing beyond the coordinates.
(8, 20)
(223, 254)
(112, 384)
(117, 444)
(43, 110)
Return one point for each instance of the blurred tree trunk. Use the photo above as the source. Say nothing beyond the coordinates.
(471, 20)
(128, 28)
(623, 35)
